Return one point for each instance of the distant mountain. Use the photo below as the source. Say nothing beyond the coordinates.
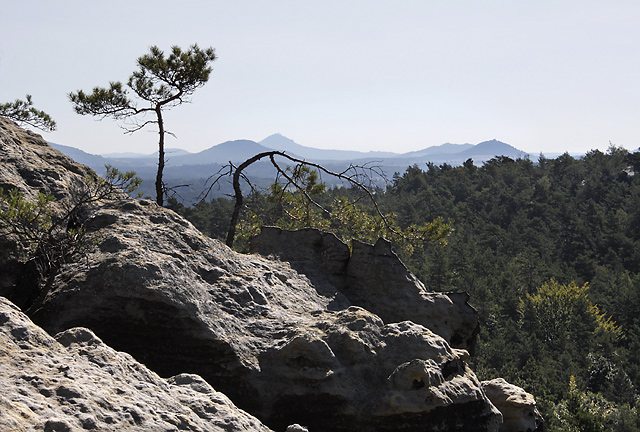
(234, 151)
(490, 149)
(441, 149)
(126, 155)
(129, 155)
(240, 150)
(95, 162)
(193, 168)
(450, 153)
(282, 143)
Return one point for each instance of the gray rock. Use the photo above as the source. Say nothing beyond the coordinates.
(76, 382)
(372, 276)
(287, 346)
(518, 408)
(30, 165)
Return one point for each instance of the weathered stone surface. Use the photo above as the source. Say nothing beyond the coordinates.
(367, 375)
(286, 346)
(320, 256)
(253, 328)
(30, 165)
(372, 277)
(78, 383)
(33, 166)
(518, 408)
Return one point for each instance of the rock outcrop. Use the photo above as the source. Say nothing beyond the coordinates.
(76, 382)
(294, 340)
(518, 408)
(30, 165)
(374, 278)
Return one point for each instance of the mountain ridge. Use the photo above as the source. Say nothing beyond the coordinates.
(280, 142)
(193, 169)
(242, 149)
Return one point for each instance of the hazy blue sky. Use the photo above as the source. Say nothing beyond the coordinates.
(541, 75)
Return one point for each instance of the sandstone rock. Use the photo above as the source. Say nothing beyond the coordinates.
(363, 377)
(372, 277)
(296, 428)
(286, 346)
(77, 382)
(518, 408)
(30, 165)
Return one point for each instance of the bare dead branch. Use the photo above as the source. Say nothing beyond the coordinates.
(224, 171)
(297, 186)
(357, 176)
(129, 129)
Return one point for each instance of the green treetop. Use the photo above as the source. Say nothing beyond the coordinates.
(159, 83)
(24, 113)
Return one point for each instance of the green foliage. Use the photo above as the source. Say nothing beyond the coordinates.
(127, 181)
(43, 237)
(581, 412)
(51, 237)
(550, 255)
(587, 411)
(29, 221)
(294, 207)
(24, 113)
(555, 310)
(159, 83)
(354, 221)
(528, 238)
(308, 205)
(104, 102)
(168, 81)
(284, 207)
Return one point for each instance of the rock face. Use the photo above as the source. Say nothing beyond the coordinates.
(518, 408)
(76, 382)
(374, 278)
(289, 342)
(30, 165)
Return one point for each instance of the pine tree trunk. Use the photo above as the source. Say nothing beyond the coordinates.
(159, 186)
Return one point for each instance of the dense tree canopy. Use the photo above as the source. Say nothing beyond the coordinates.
(528, 238)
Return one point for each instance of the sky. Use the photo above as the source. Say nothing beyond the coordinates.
(544, 76)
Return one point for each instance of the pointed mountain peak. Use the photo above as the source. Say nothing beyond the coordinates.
(277, 138)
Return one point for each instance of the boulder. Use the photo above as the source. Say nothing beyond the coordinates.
(518, 408)
(287, 345)
(76, 382)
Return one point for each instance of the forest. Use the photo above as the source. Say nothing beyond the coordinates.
(548, 250)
